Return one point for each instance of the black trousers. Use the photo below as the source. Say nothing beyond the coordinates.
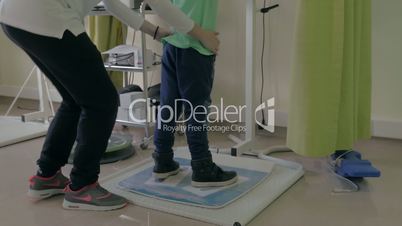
(90, 101)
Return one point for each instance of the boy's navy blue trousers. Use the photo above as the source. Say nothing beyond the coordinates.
(187, 79)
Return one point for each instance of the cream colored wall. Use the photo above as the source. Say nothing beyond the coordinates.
(15, 67)
(229, 82)
(14, 64)
(230, 66)
(387, 55)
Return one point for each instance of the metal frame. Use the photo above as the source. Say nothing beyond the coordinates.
(131, 69)
(46, 109)
(242, 146)
(247, 144)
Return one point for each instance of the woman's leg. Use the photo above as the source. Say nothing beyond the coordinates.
(62, 130)
(78, 66)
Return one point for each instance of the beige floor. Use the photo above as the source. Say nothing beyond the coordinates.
(308, 203)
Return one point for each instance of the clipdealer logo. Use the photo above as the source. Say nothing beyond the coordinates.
(269, 107)
(214, 114)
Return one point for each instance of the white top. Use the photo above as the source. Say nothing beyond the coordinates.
(53, 17)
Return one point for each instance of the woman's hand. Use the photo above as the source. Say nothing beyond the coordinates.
(208, 38)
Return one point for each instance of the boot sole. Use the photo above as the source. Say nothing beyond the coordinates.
(161, 176)
(80, 206)
(214, 184)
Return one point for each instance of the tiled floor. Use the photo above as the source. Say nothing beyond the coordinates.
(308, 203)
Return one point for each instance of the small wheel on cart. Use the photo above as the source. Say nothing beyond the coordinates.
(124, 126)
(236, 224)
(144, 146)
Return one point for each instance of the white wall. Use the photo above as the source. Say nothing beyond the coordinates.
(387, 55)
(14, 65)
(280, 28)
(387, 66)
(229, 79)
(230, 64)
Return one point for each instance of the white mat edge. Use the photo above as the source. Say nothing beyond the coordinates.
(213, 219)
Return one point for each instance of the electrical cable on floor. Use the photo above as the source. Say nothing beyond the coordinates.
(331, 167)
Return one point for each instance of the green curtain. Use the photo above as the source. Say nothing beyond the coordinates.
(107, 32)
(330, 107)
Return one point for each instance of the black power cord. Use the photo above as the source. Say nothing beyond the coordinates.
(264, 11)
(262, 64)
(267, 9)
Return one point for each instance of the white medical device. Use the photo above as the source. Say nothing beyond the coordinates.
(126, 55)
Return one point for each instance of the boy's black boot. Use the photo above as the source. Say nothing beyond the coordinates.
(207, 174)
(165, 166)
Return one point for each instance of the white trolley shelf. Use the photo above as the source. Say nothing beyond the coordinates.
(100, 11)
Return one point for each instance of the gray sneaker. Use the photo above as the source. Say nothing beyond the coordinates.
(42, 188)
(92, 197)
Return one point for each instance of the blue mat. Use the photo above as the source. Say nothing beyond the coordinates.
(178, 188)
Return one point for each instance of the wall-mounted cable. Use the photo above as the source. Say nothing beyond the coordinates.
(266, 8)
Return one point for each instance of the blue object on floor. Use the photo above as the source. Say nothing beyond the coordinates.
(351, 165)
